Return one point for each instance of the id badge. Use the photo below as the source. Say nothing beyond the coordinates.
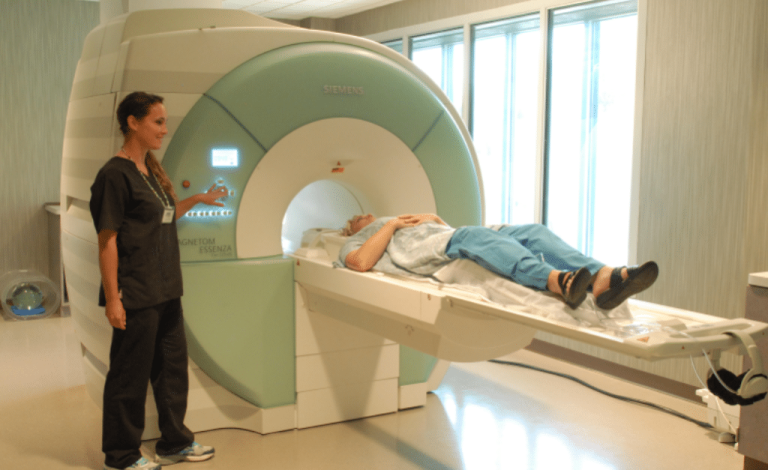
(169, 214)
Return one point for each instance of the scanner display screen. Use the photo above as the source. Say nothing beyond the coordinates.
(224, 158)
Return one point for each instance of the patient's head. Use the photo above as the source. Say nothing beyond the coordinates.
(357, 223)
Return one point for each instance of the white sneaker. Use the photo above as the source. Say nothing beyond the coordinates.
(141, 464)
(192, 453)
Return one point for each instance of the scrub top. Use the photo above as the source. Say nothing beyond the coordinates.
(149, 266)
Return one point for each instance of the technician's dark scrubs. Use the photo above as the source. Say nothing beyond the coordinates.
(153, 347)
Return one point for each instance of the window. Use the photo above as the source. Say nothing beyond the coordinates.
(396, 45)
(441, 56)
(589, 127)
(551, 112)
(505, 84)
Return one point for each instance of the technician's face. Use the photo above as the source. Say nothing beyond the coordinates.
(360, 221)
(151, 129)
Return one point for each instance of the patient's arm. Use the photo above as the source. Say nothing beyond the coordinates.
(370, 252)
(416, 219)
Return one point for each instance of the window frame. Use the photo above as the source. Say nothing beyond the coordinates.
(575, 14)
(395, 44)
(511, 37)
(447, 57)
(543, 8)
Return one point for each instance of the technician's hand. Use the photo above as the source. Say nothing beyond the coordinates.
(212, 195)
(116, 314)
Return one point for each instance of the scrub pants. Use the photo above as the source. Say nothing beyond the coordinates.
(526, 254)
(152, 349)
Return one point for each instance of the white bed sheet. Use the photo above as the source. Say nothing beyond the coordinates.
(625, 321)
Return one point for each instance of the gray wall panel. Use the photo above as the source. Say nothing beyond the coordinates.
(757, 149)
(696, 121)
(41, 43)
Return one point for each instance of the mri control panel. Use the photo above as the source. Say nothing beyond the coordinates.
(227, 159)
(207, 233)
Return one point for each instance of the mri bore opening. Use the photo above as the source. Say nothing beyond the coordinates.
(322, 204)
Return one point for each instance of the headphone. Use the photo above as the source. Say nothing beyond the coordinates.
(747, 388)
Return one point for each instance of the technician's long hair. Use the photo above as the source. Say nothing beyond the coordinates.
(138, 104)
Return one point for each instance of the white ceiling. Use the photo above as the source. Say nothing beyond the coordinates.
(300, 9)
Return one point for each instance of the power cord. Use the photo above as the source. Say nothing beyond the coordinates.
(702, 424)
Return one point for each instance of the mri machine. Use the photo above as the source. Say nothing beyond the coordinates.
(305, 128)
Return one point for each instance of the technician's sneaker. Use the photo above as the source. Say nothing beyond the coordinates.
(141, 464)
(192, 453)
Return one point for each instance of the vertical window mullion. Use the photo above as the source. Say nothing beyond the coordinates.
(591, 164)
(447, 84)
(509, 136)
(541, 124)
(546, 141)
(466, 101)
(586, 150)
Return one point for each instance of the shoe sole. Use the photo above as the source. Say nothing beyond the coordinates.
(157, 467)
(580, 282)
(644, 278)
(164, 461)
(147, 468)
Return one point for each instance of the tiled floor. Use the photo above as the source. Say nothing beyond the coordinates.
(484, 416)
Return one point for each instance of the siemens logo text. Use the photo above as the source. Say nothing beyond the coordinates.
(343, 90)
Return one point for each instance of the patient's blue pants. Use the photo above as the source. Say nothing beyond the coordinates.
(525, 254)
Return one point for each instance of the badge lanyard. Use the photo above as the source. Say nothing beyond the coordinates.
(169, 211)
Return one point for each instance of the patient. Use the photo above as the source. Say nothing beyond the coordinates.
(529, 255)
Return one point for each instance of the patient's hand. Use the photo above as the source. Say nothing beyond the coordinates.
(402, 221)
(412, 220)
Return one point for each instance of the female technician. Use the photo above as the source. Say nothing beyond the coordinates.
(134, 209)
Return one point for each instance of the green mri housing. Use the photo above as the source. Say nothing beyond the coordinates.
(240, 313)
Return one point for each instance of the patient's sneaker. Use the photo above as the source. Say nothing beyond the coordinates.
(192, 453)
(141, 464)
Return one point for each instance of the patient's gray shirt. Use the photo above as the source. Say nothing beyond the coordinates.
(412, 250)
